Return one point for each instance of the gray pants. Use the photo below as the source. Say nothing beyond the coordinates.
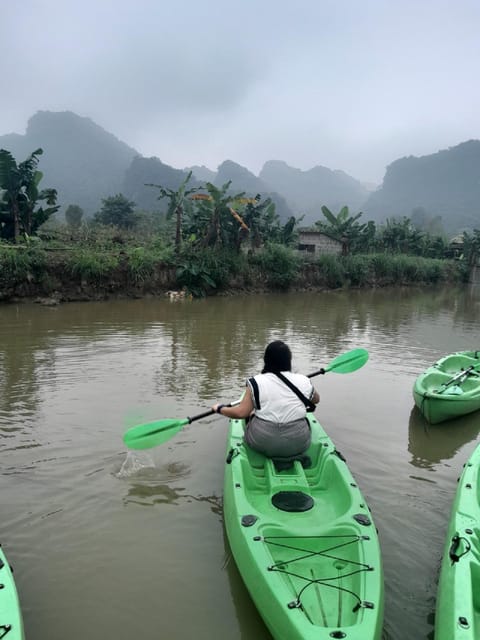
(277, 439)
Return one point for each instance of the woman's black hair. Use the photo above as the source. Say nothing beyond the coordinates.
(277, 357)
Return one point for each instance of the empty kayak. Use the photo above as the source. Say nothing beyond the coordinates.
(11, 625)
(304, 541)
(457, 614)
(450, 388)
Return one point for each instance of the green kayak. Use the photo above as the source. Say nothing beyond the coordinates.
(457, 614)
(304, 541)
(11, 625)
(450, 388)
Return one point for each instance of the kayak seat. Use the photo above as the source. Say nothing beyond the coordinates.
(283, 464)
(255, 458)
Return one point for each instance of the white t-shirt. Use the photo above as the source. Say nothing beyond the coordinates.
(278, 403)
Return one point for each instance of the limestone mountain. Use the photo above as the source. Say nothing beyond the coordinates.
(306, 191)
(244, 180)
(202, 173)
(443, 185)
(145, 171)
(86, 163)
(81, 160)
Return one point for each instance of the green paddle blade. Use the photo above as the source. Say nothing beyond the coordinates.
(151, 434)
(348, 362)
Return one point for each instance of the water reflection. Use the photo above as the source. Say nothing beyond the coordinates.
(431, 444)
(198, 343)
(149, 485)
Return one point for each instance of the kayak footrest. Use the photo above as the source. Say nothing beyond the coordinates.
(293, 501)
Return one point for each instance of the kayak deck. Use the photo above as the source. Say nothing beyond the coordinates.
(304, 542)
(457, 614)
(11, 624)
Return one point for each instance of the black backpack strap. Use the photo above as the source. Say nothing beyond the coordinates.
(256, 393)
(308, 403)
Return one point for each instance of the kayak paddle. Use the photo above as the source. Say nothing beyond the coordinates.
(460, 377)
(345, 363)
(151, 434)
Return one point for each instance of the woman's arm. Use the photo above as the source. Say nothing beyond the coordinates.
(241, 410)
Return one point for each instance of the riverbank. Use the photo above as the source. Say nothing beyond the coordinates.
(52, 277)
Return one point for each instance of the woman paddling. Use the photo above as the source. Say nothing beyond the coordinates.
(276, 402)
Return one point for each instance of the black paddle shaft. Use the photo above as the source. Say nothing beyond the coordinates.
(206, 413)
(200, 416)
(316, 373)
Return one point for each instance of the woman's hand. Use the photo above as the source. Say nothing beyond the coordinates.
(238, 410)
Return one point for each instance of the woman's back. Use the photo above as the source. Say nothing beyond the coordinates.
(275, 401)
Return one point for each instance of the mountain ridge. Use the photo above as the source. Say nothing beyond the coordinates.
(86, 163)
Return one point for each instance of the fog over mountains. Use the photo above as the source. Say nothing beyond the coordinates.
(86, 163)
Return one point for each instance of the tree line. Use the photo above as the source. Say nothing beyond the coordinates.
(208, 216)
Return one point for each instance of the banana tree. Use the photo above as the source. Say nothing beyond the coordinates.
(342, 226)
(217, 220)
(258, 217)
(20, 195)
(178, 202)
(400, 236)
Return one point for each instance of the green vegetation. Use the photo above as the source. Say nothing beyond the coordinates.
(210, 239)
(278, 264)
(20, 196)
(73, 216)
(90, 265)
(118, 211)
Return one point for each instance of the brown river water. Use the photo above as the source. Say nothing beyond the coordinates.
(109, 544)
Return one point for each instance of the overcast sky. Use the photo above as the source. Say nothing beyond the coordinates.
(347, 84)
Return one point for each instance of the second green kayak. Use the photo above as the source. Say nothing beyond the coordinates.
(11, 625)
(450, 388)
(304, 541)
(457, 614)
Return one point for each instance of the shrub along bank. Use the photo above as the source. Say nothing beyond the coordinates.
(30, 272)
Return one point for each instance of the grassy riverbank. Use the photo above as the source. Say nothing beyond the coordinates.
(100, 272)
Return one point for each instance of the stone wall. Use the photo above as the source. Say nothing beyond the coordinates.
(315, 243)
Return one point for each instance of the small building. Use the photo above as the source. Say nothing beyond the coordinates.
(318, 243)
(456, 246)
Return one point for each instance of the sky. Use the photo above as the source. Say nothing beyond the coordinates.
(347, 84)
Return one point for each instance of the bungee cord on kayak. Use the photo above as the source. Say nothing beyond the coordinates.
(324, 581)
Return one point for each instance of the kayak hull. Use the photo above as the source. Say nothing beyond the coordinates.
(439, 401)
(314, 571)
(11, 624)
(457, 615)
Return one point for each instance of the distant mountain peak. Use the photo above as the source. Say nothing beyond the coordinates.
(202, 173)
(307, 191)
(71, 125)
